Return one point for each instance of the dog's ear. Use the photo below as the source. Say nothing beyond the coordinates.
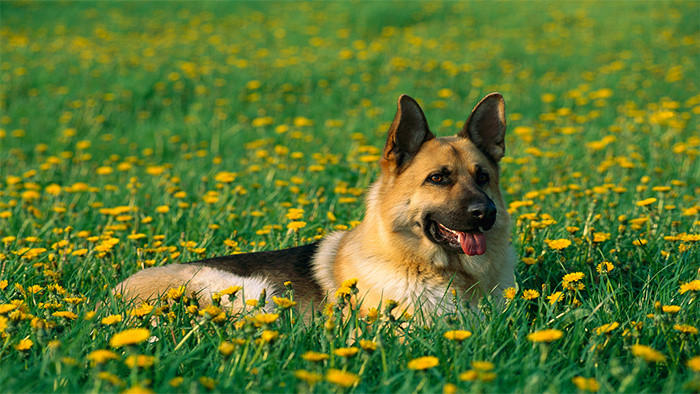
(407, 133)
(486, 126)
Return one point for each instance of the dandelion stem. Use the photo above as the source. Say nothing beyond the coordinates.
(186, 337)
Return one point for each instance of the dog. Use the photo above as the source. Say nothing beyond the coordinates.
(436, 230)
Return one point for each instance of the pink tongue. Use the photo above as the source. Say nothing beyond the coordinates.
(473, 243)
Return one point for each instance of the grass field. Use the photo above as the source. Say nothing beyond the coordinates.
(137, 134)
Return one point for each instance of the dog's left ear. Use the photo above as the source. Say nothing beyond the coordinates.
(407, 133)
(486, 126)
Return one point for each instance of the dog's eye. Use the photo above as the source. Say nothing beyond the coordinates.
(482, 178)
(436, 178)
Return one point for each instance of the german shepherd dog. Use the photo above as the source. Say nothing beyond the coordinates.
(435, 230)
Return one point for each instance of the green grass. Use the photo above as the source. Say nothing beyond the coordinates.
(143, 105)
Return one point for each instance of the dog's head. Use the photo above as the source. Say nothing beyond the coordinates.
(445, 191)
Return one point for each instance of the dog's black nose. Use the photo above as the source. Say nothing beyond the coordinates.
(482, 213)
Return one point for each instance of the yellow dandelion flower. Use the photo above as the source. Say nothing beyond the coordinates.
(558, 244)
(367, 345)
(686, 329)
(469, 376)
(314, 356)
(284, 303)
(586, 384)
(310, 378)
(530, 294)
(457, 335)
(129, 336)
(207, 382)
(606, 328)
(268, 336)
(604, 267)
(140, 360)
(555, 297)
(601, 237)
(645, 202)
(4, 308)
(226, 348)
(482, 365)
(102, 355)
(231, 290)
(671, 309)
(573, 277)
(175, 293)
(110, 377)
(346, 352)
(547, 335)
(647, 354)
(176, 381)
(694, 363)
(296, 225)
(423, 363)
(266, 318)
(449, 388)
(693, 285)
(342, 378)
(24, 344)
(509, 293)
(65, 314)
(111, 319)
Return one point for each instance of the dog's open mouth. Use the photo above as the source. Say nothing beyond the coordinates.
(472, 243)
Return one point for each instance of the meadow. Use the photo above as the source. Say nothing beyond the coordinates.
(135, 134)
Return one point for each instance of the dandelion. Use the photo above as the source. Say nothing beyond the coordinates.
(24, 344)
(693, 285)
(555, 297)
(586, 384)
(423, 363)
(604, 267)
(547, 335)
(111, 378)
(141, 361)
(310, 378)
(266, 318)
(457, 335)
(111, 319)
(284, 303)
(694, 363)
(686, 329)
(558, 244)
(226, 348)
(647, 354)
(101, 356)
(482, 365)
(314, 356)
(342, 378)
(268, 336)
(65, 314)
(530, 294)
(509, 293)
(207, 382)
(606, 328)
(176, 381)
(645, 202)
(346, 352)
(572, 278)
(129, 336)
(296, 225)
(368, 346)
(671, 309)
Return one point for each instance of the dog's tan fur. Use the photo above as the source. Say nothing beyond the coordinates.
(389, 252)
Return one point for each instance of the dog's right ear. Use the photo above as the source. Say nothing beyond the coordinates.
(407, 134)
